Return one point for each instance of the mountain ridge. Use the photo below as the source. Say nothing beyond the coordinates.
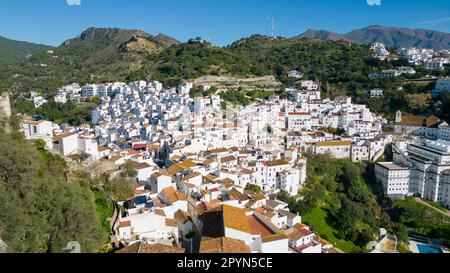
(322, 34)
(390, 36)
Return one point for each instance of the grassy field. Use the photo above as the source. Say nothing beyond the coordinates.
(316, 218)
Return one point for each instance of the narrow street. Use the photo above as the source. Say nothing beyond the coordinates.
(115, 218)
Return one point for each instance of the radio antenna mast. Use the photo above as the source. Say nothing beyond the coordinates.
(273, 27)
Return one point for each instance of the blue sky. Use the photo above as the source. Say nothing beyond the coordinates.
(222, 21)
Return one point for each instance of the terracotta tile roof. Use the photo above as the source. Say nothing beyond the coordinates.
(171, 223)
(187, 164)
(102, 148)
(223, 245)
(32, 122)
(333, 143)
(218, 151)
(114, 158)
(278, 162)
(299, 226)
(299, 114)
(134, 248)
(257, 227)
(417, 121)
(211, 177)
(125, 224)
(235, 218)
(139, 166)
(208, 161)
(258, 197)
(246, 171)
(161, 173)
(289, 214)
(227, 182)
(175, 158)
(201, 208)
(250, 204)
(227, 159)
(159, 248)
(175, 169)
(160, 212)
(171, 195)
(274, 237)
(191, 175)
(238, 196)
(63, 135)
(298, 234)
(140, 247)
(181, 216)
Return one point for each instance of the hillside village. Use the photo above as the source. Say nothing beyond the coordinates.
(196, 161)
(230, 134)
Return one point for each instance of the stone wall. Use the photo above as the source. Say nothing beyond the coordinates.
(5, 106)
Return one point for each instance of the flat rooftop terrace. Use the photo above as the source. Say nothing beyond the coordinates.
(393, 166)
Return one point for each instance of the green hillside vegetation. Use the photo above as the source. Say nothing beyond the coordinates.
(326, 61)
(338, 203)
(68, 113)
(201, 92)
(14, 52)
(39, 210)
(197, 58)
(419, 218)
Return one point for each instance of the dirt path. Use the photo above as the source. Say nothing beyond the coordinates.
(430, 206)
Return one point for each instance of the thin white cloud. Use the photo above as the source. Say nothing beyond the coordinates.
(435, 21)
(73, 2)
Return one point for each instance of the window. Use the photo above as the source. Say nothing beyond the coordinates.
(34, 129)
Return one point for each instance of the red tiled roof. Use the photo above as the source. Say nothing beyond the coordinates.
(125, 224)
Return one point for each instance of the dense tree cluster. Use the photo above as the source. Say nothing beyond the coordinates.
(70, 113)
(338, 186)
(253, 188)
(39, 210)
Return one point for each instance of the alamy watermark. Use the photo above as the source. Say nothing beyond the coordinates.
(374, 2)
(73, 2)
(73, 247)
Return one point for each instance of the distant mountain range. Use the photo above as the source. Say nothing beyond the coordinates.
(15, 51)
(390, 36)
(106, 41)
